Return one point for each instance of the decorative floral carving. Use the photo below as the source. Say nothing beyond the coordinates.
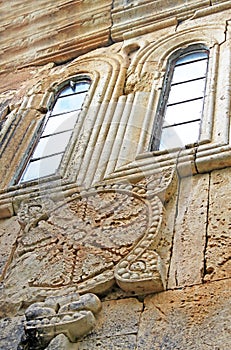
(105, 234)
(34, 210)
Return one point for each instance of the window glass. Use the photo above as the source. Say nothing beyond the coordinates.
(186, 91)
(60, 123)
(189, 71)
(75, 88)
(183, 112)
(180, 135)
(188, 57)
(68, 103)
(51, 145)
(42, 167)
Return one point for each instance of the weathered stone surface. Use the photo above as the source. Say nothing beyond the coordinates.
(11, 331)
(131, 18)
(117, 318)
(64, 253)
(116, 328)
(9, 230)
(187, 263)
(108, 343)
(218, 250)
(192, 318)
(69, 34)
(60, 342)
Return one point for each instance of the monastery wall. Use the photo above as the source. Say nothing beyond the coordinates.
(125, 246)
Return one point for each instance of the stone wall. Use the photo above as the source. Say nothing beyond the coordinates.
(126, 247)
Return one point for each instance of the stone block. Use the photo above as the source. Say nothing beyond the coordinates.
(131, 18)
(187, 261)
(117, 318)
(192, 318)
(218, 251)
(53, 31)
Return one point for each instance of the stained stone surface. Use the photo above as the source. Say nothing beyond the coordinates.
(45, 43)
(9, 230)
(111, 343)
(48, 30)
(117, 317)
(218, 251)
(187, 261)
(60, 342)
(126, 342)
(191, 318)
(11, 330)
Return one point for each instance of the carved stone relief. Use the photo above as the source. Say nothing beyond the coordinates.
(72, 315)
(67, 251)
(100, 236)
(138, 83)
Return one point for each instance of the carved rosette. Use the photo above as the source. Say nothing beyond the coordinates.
(100, 236)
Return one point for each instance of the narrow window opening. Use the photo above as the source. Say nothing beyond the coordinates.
(182, 101)
(56, 132)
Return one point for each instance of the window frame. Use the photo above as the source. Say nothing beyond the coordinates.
(165, 93)
(42, 125)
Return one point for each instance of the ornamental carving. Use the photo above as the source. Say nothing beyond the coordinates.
(135, 82)
(71, 315)
(98, 237)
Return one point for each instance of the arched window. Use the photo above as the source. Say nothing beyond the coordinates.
(56, 132)
(182, 101)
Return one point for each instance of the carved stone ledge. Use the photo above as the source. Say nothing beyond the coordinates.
(6, 209)
(72, 315)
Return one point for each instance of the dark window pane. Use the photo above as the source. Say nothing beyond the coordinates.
(178, 136)
(43, 167)
(52, 144)
(183, 112)
(60, 123)
(192, 57)
(68, 103)
(189, 71)
(187, 91)
(76, 87)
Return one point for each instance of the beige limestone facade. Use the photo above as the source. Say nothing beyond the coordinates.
(123, 246)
